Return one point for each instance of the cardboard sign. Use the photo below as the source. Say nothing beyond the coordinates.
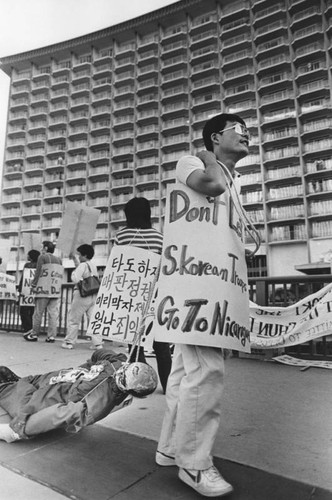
(124, 294)
(203, 288)
(27, 297)
(78, 227)
(50, 281)
(308, 319)
(31, 241)
(5, 247)
(7, 287)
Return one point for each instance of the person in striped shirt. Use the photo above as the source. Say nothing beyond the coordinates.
(140, 233)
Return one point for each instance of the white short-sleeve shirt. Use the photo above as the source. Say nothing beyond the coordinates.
(186, 166)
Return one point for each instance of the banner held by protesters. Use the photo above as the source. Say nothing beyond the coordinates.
(307, 319)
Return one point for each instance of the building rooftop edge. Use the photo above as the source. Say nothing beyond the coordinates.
(7, 61)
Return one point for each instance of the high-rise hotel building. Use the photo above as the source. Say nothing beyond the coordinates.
(104, 117)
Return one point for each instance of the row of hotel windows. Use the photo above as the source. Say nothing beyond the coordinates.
(277, 233)
(273, 134)
(316, 208)
(121, 49)
(292, 211)
(150, 147)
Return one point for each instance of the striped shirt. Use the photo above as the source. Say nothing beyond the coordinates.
(148, 239)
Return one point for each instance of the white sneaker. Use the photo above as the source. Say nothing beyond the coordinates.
(208, 482)
(66, 345)
(164, 460)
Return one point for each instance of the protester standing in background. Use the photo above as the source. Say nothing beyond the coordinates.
(81, 305)
(26, 311)
(140, 233)
(51, 304)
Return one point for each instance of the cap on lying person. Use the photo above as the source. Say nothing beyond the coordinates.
(138, 379)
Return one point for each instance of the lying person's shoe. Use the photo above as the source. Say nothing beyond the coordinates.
(50, 339)
(30, 336)
(67, 345)
(96, 347)
(7, 434)
(208, 482)
(164, 460)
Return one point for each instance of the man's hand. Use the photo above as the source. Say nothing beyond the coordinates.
(207, 157)
(249, 254)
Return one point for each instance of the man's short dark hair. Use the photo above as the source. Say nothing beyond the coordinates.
(49, 246)
(86, 250)
(34, 254)
(215, 124)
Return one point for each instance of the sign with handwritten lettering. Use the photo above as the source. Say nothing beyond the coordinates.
(7, 287)
(50, 281)
(27, 297)
(124, 294)
(203, 289)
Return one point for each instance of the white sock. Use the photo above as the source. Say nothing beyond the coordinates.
(7, 434)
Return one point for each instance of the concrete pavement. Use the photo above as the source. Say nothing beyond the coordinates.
(275, 441)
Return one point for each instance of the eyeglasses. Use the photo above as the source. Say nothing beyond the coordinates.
(239, 129)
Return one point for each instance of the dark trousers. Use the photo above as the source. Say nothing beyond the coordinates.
(26, 313)
(163, 358)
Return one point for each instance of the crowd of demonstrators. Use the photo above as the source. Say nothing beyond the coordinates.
(195, 384)
(194, 380)
(42, 304)
(26, 311)
(140, 233)
(71, 398)
(81, 306)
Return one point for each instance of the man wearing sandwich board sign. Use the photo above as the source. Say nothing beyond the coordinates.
(202, 304)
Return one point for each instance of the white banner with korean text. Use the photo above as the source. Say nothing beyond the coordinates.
(307, 319)
(124, 294)
(203, 286)
(7, 287)
(50, 281)
(27, 297)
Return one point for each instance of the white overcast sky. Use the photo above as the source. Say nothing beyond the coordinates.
(29, 24)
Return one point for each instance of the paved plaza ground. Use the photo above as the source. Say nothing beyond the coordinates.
(274, 443)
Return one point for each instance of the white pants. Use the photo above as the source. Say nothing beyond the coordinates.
(52, 306)
(193, 399)
(79, 307)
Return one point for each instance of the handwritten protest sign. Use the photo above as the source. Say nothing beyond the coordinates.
(124, 294)
(78, 227)
(7, 287)
(27, 297)
(308, 319)
(50, 281)
(203, 290)
(31, 241)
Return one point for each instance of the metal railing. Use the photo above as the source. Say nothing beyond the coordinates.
(10, 314)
